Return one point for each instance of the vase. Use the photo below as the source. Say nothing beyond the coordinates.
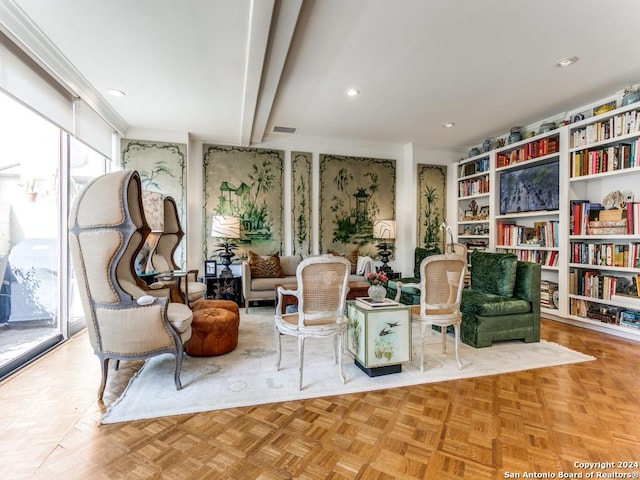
(631, 97)
(377, 292)
(515, 135)
(486, 145)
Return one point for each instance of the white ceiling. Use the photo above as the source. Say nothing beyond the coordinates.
(228, 71)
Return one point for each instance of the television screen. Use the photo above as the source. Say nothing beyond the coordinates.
(530, 189)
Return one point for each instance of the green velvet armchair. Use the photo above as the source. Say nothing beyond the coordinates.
(503, 302)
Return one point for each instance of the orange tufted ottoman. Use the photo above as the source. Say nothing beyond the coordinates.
(215, 332)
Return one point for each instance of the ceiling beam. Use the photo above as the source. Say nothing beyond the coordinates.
(260, 14)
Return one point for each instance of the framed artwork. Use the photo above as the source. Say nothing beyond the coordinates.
(484, 212)
(210, 268)
(468, 215)
(432, 205)
(245, 183)
(354, 191)
(301, 204)
(162, 168)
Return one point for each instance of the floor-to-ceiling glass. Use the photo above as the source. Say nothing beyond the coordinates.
(33, 153)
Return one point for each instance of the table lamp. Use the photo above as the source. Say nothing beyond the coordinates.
(384, 230)
(226, 228)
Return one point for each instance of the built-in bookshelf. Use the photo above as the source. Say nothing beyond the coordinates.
(474, 212)
(604, 221)
(527, 199)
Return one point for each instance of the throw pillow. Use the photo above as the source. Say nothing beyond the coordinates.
(265, 266)
(352, 256)
(493, 272)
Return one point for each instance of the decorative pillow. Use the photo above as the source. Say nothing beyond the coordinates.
(493, 272)
(352, 256)
(265, 266)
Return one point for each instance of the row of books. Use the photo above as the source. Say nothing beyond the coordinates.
(542, 234)
(609, 159)
(547, 289)
(585, 219)
(616, 126)
(593, 284)
(606, 314)
(471, 168)
(473, 186)
(535, 149)
(606, 254)
(543, 257)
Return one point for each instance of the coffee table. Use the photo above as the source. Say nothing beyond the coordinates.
(356, 289)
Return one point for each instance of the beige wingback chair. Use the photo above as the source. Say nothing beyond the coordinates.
(163, 258)
(107, 229)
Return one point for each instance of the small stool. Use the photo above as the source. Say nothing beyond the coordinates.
(214, 332)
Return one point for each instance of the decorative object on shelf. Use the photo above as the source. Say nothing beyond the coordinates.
(577, 117)
(474, 151)
(483, 214)
(604, 108)
(500, 143)
(547, 127)
(227, 228)
(486, 145)
(473, 205)
(631, 95)
(613, 199)
(384, 230)
(515, 135)
(377, 291)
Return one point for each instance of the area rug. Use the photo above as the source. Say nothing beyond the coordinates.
(248, 376)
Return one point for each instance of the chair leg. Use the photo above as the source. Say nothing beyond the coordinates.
(423, 329)
(300, 360)
(443, 333)
(104, 365)
(340, 348)
(278, 347)
(456, 329)
(176, 376)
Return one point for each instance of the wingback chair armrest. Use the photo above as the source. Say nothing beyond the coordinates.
(189, 273)
(399, 289)
(128, 328)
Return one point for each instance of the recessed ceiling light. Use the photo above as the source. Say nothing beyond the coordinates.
(448, 124)
(566, 61)
(115, 92)
(352, 92)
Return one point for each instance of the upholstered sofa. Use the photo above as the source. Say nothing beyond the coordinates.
(503, 301)
(254, 289)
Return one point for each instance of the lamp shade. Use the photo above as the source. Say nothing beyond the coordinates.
(153, 205)
(225, 227)
(385, 229)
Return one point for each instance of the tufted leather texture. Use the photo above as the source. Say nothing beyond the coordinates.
(215, 332)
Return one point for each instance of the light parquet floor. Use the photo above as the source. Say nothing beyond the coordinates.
(536, 421)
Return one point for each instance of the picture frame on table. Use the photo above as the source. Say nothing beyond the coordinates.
(210, 268)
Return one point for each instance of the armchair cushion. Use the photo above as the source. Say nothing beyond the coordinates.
(265, 266)
(289, 264)
(493, 273)
(479, 303)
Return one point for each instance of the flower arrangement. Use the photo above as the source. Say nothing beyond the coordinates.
(377, 278)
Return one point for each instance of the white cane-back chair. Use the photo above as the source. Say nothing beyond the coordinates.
(321, 292)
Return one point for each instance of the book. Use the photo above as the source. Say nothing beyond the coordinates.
(370, 303)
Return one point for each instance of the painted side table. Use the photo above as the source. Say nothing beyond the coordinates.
(379, 338)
